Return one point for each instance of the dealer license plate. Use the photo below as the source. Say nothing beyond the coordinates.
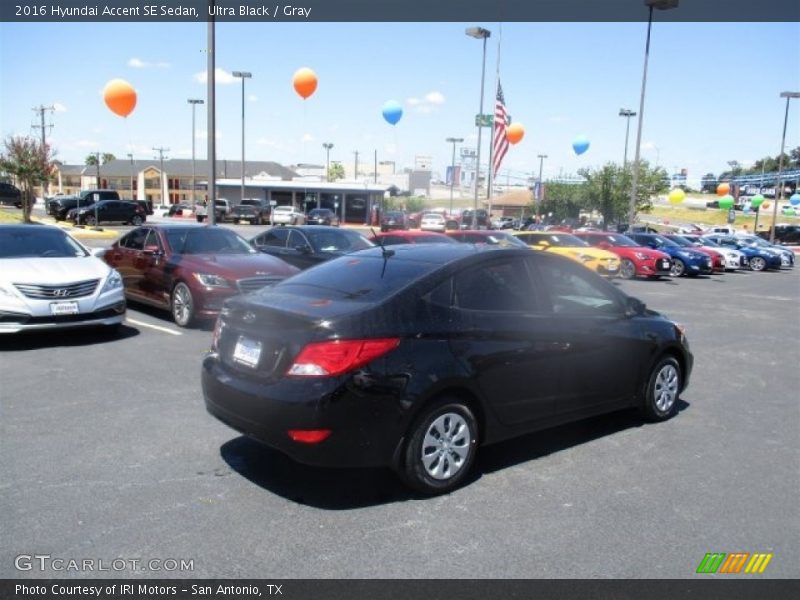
(63, 308)
(665, 264)
(247, 352)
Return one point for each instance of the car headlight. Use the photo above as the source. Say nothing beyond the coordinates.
(113, 282)
(209, 280)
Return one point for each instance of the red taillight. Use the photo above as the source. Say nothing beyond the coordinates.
(331, 358)
(309, 436)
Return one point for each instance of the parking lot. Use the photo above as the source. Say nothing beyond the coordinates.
(109, 453)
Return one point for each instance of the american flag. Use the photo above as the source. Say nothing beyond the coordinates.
(500, 123)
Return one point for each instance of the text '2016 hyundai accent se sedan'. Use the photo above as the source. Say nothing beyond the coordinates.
(414, 357)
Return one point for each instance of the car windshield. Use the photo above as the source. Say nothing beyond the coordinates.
(681, 241)
(338, 241)
(319, 212)
(706, 242)
(38, 242)
(616, 240)
(562, 240)
(499, 238)
(432, 217)
(207, 240)
(662, 241)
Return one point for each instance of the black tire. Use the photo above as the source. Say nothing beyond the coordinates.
(137, 220)
(200, 218)
(663, 390)
(451, 423)
(678, 268)
(627, 269)
(90, 221)
(182, 305)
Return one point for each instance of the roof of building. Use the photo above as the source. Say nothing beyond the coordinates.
(514, 198)
(182, 167)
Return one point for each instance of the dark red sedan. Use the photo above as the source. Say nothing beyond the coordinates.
(190, 269)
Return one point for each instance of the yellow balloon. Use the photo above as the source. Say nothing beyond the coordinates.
(676, 196)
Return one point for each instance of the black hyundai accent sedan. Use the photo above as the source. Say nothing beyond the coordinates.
(413, 357)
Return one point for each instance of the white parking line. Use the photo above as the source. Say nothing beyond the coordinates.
(164, 329)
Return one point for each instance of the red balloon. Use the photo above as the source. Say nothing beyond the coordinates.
(120, 97)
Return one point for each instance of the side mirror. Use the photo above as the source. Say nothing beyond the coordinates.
(153, 250)
(634, 307)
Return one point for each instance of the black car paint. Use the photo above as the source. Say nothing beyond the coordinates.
(519, 372)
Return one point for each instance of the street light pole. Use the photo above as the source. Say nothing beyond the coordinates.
(779, 191)
(625, 112)
(660, 5)
(454, 141)
(133, 198)
(194, 103)
(327, 146)
(479, 33)
(242, 75)
(541, 158)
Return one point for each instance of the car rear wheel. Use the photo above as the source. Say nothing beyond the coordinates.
(663, 388)
(90, 221)
(441, 447)
(758, 264)
(182, 305)
(678, 268)
(136, 220)
(627, 269)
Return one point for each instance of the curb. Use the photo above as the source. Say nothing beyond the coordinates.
(79, 232)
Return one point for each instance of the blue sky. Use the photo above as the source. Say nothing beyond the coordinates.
(712, 90)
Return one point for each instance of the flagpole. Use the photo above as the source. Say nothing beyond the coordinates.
(491, 135)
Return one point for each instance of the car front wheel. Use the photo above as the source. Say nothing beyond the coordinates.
(182, 305)
(627, 269)
(757, 263)
(663, 389)
(441, 447)
(678, 268)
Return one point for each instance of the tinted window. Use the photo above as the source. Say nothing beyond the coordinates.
(362, 279)
(390, 240)
(296, 239)
(207, 240)
(38, 242)
(501, 285)
(135, 239)
(573, 292)
(338, 241)
(274, 237)
(153, 240)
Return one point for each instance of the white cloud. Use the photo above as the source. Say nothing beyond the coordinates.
(222, 76)
(308, 137)
(137, 63)
(434, 98)
(252, 98)
(59, 107)
(413, 101)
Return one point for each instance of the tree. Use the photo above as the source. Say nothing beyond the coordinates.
(336, 171)
(108, 157)
(30, 163)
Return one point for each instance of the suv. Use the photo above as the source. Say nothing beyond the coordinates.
(481, 219)
(10, 195)
(60, 206)
(253, 210)
(108, 211)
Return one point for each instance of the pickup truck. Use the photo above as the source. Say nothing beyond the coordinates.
(222, 211)
(784, 234)
(61, 205)
(253, 210)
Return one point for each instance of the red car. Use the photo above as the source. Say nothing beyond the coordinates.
(411, 237)
(189, 269)
(485, 236)
(637, 260)
(717, 258)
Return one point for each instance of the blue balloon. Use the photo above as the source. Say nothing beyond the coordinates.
(392, 112)
(580, 144)
(795, 199)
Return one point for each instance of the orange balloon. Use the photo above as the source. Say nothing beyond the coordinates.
(764, 205)
(120, 97)
(514, 133)
(305, 82)
(723, 189)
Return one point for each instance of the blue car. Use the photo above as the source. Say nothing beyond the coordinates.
(758, 258)
(786, 254)
(685, 261)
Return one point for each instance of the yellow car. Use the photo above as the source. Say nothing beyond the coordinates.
(601, 261)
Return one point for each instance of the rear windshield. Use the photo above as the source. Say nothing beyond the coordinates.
(356, 278)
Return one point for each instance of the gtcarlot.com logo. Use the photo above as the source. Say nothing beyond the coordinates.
(734, 563)
(46, 562)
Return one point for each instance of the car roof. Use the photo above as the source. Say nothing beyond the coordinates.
(408, 234)
(436, 253)
(13, 227)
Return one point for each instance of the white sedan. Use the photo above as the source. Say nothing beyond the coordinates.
(432, 222)
(287, 215)
(50, 281)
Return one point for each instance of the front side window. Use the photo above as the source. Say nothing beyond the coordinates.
(572, 292)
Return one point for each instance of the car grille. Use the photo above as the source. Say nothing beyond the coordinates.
(58, 292)
(253, 284)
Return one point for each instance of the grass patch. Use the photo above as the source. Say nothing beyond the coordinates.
(678, 215)
(10, 215)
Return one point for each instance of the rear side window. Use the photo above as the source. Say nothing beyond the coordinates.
(498, 286)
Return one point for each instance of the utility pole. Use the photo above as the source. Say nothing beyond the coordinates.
(355, 173)
(161, 159)
(97, 167)
(376, 165)
(41, 110)
(133, 196)
(327, 146)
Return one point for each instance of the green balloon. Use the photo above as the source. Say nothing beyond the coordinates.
(788, 211)
(726, 202)
(756, 201)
